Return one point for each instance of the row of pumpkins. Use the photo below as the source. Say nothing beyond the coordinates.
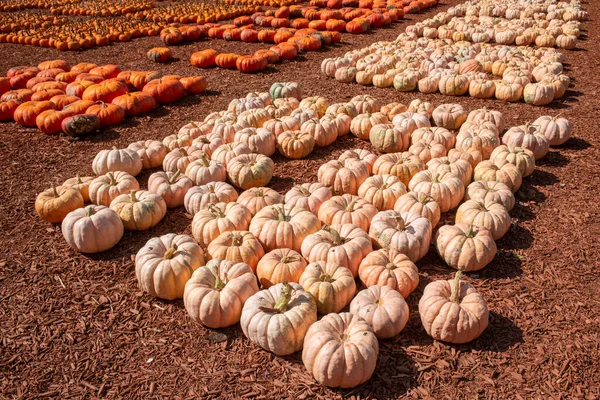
(507, 73)
(519, 22)
(307, 247)
(77, 100)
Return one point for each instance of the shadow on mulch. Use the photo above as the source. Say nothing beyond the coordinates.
(570, 96)
(528, 192)
(543, 178)
(505, 265)
(522, 212)
(554, 159)
(500, 335)
(517, 238)
(575, 143)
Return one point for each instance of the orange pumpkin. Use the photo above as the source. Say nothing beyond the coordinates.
(194, 84)
(105, 91)
(135, 103)
(227, 60)
(108, 114)
(27, 113)
(164, 91)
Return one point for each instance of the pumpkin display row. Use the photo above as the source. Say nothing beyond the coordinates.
(519, 22)
(80, 99)
(455, 69)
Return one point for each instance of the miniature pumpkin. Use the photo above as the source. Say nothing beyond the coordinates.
(139, 211)
(237, 246)
(171, 186)
(490, 215)
(216, 292)
(257, 198)
(420, 203)
(165, 264)
(92, 229)
(125, 160)
(250, 170)
(342, 340)
(53, 205)
(453, 311)
(105, 188)
(278, 318)
(389, 267)
(81, 184)
(382, 191)
(331, 285)
(151, 152)
(343, 177)
(383, 308)
(218, 218)
(280, 265)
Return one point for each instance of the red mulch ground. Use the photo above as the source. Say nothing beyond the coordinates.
(75, 326)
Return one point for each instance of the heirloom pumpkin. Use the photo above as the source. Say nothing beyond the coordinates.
(528, 137)
(139, 211)
(521, 158)
(151, 152)
(491, 191)
(257, 198)
(280, 265)
(199, 197)
(250, 170)
(105, 188)
(237, 246)
(490, 215)
(382, 191)
(503, 171)
(116, 159)
(403, 165)
(446, 188)
(309, 196)
(53, 205)
(556, 129)
(295, 144)
(81, 184)
(343, 177)
(331, 285)
(389, 267)
(171, 186)
(383, 308)
(218, 218)
(420, 203)
(203, 171)
(465, 247)
(92, 229)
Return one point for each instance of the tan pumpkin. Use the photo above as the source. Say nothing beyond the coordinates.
(465, 247)
(493, 116)
(199, 197)
(361, 124)
(171, 186)
(197, 129)
(280, 265)
(482, 88)
(208, 143)
(257, 198)
(80, 183)
(227, 152)
(528, 137)
(316, 103)
(389, 138)
(237, 246)
(470, 154)
(427, 150)
(508, 91)
(203, 171)
(250, 170)
(460, 168)
(446, 188)
(309, 196)
(433, 134)
(260, 141)
(126, 160)
(361, 155)
(323, 131)
(216, 292)
(92, 229)
(283, 226)
(521, 158)
(219, 218)
(166, 263)
(278, 318)
(556, 129)
(449, 116)
(365, 104)
(382, 191)
(490, 215)
(139, 211)
(331, 285)
(392, 109)
(254, 118)
(347, 209)
(453, 311)
(343, 177)
(383, 308)
(484, 141)
(104, 189)
(227, 129)
(453, 85)
(538, 94)
(177, 140)
(505, 172)
(408, 233)
(389, 267)
(344, 245)
(340, 339)
(279, 125)
(491, 191)
(151, 152)
(180, 158)
(409, 121)
(420, 203)
(295, 144)
(403, 165)
(421, 107)
(474, 126)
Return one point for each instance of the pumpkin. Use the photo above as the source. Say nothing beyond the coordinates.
(226, 152)
(538, 94)
(509, 91)
(427, 150)
(80, 125)
(492, 192)
(257, 198)
(484, 141)
(403, 165)
(8, 108)
(165, 264)
(108, 114)
(446, 188)
(260, 140)
(278, 318)
(49, 121)
(471, 155)
(26, 113)
(490, 215)
(453, 311)
(343, 177)
(280, 265)
(449, 116)
(342, 340)
(107, 71)
(388, 138)
(208, 143)
(171, 36)
(151, 152)
(453, 85)
(285, 89)
(295, 144)
(237, 246)
(81, 184)
(203, 171)
(361, 124)
(465, 247)
(493, 116)
(382, 308)
(116, 159)
(344, 245)
(204, 59)
(347, 209)
(164, 90)
(250, 170)
(556, 129)
(433, 135)
(528, 137)
(420, 203)
(139, 210)
(135, 103)
(53, 205)
(218, 218)
(323, 131)
(283, 226)
(316, 103)
(389, 267)
(331, 285)
(521, 158)
(194, 84)
(105, 91)
(409, 121)
(159, 54)
(181, 157)
(171, 186)
(216, 292)
(443, 165)
(199, 197)
(503, 171)
(92, 229)
(363, 155)
(409, 233)
(382, 191)
(105, 188)
(309, 196)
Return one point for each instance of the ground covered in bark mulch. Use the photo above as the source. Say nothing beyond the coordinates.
(76, 326)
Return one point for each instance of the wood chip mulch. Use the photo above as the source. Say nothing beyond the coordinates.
(76, 326)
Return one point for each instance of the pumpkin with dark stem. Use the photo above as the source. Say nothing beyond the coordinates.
(135, 103)
(164, 91)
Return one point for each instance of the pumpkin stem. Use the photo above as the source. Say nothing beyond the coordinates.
(259, 192)
(219, 284)
(325, 278)
(455, 294)
(113, 181)
(283, 301)
(133, 198)
(89, 211)
(211, 188)
(216, 210)
(436, 179)
(469, 232)
(390, 266)
(175, 176)
(304, 191)
(170, 252)
(79, 181)
(350, 207)
(204, 160)
(236, 240)
(399, 222)
(288, 259)
(115, 148)
(54, 190)
(335, 235)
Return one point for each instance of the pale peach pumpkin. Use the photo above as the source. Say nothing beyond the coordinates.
(521, 158)
(383, 308)
(491, 191)
(139, 211)
(389, 267)
(151, 152)
(104, 189)
(458, 167)
(309, 196)
(361, 155)
(347, 209)
(257, 198)
(331, 285)
(528, 137)
(199, 197)
(446, 188)
(465, 247)
(490, 215)
(126, 160)
(382, 191)
(403, 165)
(280, 265)
(92, 229)
(556, 129)
(237, 246)
(449, 116)
(250, 170)
(420, 203)
(501, 171)
(343, 177)
(171, 186)
(218, 218)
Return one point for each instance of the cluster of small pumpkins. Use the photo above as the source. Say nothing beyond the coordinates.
(18, 5)
(77, 100)
(368, 217)
(521, 22)
(101, 8)
(193, 12)
(508, 73)
(15, 21)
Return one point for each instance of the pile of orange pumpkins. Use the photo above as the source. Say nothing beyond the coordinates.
(274, 262)
(77, 100)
